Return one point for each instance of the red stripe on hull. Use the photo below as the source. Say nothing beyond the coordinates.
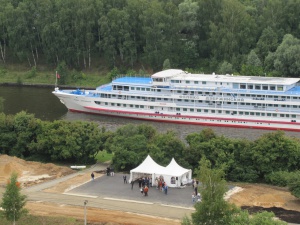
(108, 113)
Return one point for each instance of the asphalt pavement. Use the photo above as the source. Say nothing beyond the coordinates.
(110, 192)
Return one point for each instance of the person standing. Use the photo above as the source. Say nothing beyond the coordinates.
(166, 188)
(146, 190)
(125, 179)
(92, 176)
(132, 183)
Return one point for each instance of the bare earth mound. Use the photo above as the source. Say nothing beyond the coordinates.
(29, 172)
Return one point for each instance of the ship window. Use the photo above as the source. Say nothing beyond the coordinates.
(269, 114)
(227, 112)
(274, 115)
(185, 92)
(172, 81)
(281, 115)
(113, 104)
(247, 95)
(242, 95)
(272, 88)
(132, 96)
(151, 107)
(141, 106)
(207, 93)
(279, 88)
(165, 99)
(177, 109)
(205, 110)
(250, 86)
(293, 116)
(136, 106)
(257, 87)
(241, 113)
(294, 106)
(118, 104)
(275, 105)
(106, 103)
(203, 82)
(294, 97)
(147, 89)
(242, 86)
(200, 92)
(283, 106)
(187, 81)
(257, 114)
(178, 92)
(143, 89)
(198, 110)
(158, 90)
(131, 106)
(252, 113)
(124, 105)
(132, 88)
(158, 99)
(138, 89)
(242, 103)
(213, 111)
(200, 101)
(98, 103)
(138, 97)
(247, 113)
(186, 100)
(184, 109)
(265, 87)
(287, 115)
(191, 110)
(196, 82)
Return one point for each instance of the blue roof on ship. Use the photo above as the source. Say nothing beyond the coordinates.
(133, 80)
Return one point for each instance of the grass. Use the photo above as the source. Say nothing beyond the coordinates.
(103, 156)
(47, 76)
(41, 220)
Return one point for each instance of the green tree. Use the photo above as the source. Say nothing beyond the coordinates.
(213, 209)
(294, 184)
(253, 66)
(13, 201)
(226, 68)
(287, 56)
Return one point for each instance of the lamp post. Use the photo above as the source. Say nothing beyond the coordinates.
(85, 202)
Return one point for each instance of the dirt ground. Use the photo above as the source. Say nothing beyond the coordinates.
(249, 196)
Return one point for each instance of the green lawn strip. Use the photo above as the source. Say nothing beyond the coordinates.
(103, 156)
(42, 220)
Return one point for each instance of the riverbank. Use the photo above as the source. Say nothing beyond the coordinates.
(47, 78)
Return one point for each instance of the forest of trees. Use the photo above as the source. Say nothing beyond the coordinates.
(251, 37)
(272, 158)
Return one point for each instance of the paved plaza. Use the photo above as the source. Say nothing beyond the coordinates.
(114, 187)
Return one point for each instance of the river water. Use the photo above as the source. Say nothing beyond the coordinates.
(45, 106)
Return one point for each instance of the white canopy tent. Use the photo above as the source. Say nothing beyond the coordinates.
(147, 168)
(174, 175)
(177, 175)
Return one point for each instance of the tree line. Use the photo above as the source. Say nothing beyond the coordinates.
(273, 157)
(225, 36)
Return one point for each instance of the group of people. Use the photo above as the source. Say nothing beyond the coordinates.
(110, 171)
(144, 184)
(161, 184)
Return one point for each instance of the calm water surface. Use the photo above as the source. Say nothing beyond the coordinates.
(45, 106)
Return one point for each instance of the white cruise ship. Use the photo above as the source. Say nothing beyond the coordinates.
(205, 99)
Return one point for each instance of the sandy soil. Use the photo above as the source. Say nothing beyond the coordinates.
(32, 172)
(95, 215)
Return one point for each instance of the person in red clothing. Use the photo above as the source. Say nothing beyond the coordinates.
(146, 190)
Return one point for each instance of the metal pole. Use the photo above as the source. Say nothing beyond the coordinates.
(85, 202)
